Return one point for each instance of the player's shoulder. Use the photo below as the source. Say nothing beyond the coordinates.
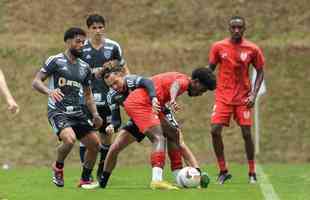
(55, 58)
(111, 43)
(87, 46)
(221, 42)
(249, 43)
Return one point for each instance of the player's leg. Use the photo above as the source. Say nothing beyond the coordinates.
(92, 144)
(243, 118)
(123, 139)
(68, 138)
(220, 117)
(106, 138)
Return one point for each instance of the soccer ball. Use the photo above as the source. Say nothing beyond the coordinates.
(188, 177)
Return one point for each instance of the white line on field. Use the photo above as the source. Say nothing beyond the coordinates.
(265, 185)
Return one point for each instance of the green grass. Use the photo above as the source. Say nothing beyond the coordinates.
(289, 182)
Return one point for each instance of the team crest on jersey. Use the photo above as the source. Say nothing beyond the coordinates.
(107, 54)
(243, 56)
(224, 55)
(246, 114)
(82, 71)
(88, 56)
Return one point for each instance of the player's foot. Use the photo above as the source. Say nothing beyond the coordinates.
(162, 185)
(58, 176)
(223, 177)
(252, 178)
(82, 182)
(204, 180)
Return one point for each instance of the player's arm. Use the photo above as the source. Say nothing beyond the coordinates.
(38, 84)
(258, 82)
(89, 101)
(116, 119)
(4, 90)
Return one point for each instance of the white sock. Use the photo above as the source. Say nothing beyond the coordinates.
(157, 174)
(175, 172)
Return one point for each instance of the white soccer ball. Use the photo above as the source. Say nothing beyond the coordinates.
(188, 177)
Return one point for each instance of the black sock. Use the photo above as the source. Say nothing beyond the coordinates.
(103, 153)
(86, 174)
(82, 153)
(104, 179)
(59, 165)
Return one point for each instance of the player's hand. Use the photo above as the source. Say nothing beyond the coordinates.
(110, 129)
(13, 106)
(56, 95)
(174, 106)
(250, 101)
(156, 105)
(97, 121)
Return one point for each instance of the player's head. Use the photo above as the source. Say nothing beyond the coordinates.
(96, 26)
(202, 80)
(114, 77)
(236, 28)
(74, 38)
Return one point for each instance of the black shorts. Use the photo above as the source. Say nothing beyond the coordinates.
(78, 121)
(133, 129)
(105, 114)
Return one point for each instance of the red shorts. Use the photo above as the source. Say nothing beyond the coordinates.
(139, 109)
(222, 113)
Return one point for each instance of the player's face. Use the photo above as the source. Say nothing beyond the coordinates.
(115, 81)
(196, 89)
(236, 29)
(96, 30)
(75, 45)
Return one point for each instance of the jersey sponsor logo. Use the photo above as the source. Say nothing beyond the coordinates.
(243, 56)
(107, 54)
(63, 82)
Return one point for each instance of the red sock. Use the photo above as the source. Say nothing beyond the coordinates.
(158, 159)
(251, 166)
(221, 163)
(175, 159)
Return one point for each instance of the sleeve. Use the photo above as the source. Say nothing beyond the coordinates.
(116, 119)
(213, 55)
(49, 66)
(259, 59)
(88, 78)
(134, 81)
(117, 52)
(183, 83)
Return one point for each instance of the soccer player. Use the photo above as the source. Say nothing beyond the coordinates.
(97, 52)
(4, 90)
(147, 122)
(233, 96)
(67, 74)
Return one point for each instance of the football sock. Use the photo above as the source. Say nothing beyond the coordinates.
(251, 166)
(157, 174)
(222, 164)
(104, 179)
(175, 159)
(82, 152)
(59, 165)
(104, 149)
(86, 174)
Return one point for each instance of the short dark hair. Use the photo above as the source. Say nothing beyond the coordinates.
(113, 66)
(73, 32)
(94, 18)
(237, 18)
(205, 77)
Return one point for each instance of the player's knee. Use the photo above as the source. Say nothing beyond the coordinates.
(69, 140)
(216, 130)
(115, 149)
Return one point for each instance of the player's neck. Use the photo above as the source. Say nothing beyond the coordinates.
(236, 41)
(97, 43)
(72, 59)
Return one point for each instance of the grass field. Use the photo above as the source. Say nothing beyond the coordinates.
(290, 182)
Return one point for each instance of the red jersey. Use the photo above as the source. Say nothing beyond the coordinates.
(163, 83)
(233, 82)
